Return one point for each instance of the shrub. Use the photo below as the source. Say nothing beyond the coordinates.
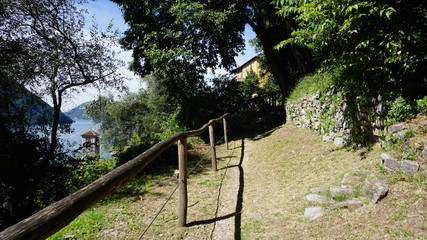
(89, 169)
(400, 110)
(421, 105)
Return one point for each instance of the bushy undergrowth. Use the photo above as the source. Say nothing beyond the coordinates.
(402, 110)
(89, 169)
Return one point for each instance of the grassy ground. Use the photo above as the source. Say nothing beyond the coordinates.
(127, 213)
(269, 183)
(290, 161)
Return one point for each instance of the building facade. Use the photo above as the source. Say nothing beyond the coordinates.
(253, 65)
(90, 142)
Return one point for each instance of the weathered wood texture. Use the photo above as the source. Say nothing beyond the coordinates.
(213, 150)
(183, 196)
(54, 217)
(224, 123)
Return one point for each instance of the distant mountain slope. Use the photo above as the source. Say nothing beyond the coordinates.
(25, 103)
(78, 112)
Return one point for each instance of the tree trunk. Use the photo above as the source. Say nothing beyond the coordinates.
(287, 64)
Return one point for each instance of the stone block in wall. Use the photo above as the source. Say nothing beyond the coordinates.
(371, 118)
(365, 123)
(378, 122)
(326, 138)
(307, 111)
(365, 129)
(424, 153)
(359, 116)
(372, 100)
(380, 109)
(339, 142)
(316, 125)
(378, 132)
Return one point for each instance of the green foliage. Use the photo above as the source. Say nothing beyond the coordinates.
(400, 111)
(382, 41)
(313, 83)
(87, 170)
(45, 49)
(421, 105)
(85, 226)
(250, 85)
(327, 119)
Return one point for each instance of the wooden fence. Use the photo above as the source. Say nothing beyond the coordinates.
(56, 216)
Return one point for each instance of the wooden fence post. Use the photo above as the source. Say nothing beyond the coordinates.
(224, 121)
(212, 140)
(183, 197)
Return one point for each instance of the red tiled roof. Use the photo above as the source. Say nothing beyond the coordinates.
(90, 133)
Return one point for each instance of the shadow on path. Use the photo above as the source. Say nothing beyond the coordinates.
(237, 214)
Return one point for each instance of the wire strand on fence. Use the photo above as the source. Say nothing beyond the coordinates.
(171, 194)
(201, 160)
(159, 211)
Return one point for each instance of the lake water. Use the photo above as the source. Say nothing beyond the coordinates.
(75, 138)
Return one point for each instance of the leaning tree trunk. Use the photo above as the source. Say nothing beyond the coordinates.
(287, 64)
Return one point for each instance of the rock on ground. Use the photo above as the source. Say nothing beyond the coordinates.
(346, 178)
(351, 205)
(424, 153)
(392, 164)
(376, 189)
(319, 189)
(315, 198)
(313, 212)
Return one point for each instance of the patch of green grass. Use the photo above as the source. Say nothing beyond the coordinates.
(399, 234)
(250, 228)
(86, 226)
(311, 84)
(419, 180)
(381, 168)
(208, 183)
(344, 197)
(397, 215)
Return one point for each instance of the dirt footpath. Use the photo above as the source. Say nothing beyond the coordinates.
(263, 192)
(259, 192)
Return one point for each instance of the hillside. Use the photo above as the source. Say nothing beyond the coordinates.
(77, 113)
(260, 192)
(27, 103)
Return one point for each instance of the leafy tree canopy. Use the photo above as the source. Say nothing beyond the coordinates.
(384, 41)
(179, 41)
(44, 47)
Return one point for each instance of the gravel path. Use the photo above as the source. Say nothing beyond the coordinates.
(230, 202)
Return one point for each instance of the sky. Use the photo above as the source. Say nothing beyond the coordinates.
(103, 12)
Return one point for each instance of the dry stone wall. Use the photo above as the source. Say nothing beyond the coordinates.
(336, 117)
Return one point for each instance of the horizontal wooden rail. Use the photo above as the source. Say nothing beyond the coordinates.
(56, 216)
